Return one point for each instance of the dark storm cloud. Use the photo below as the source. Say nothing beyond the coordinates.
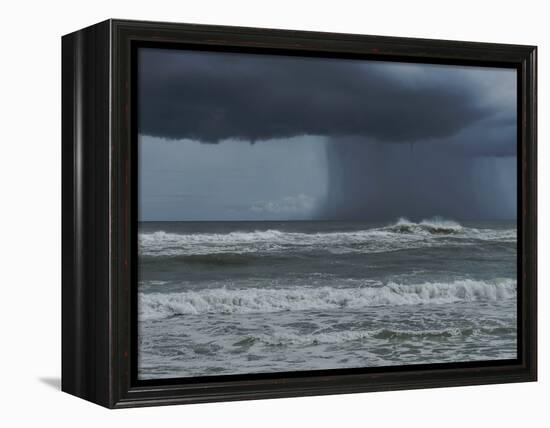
(454, 128)
(213, 96)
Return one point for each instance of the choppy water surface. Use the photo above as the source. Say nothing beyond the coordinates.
(257, 297)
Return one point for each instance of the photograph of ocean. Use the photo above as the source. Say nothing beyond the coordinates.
(300, 213)
(218, 298)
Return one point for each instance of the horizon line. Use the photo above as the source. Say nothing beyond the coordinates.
(326, 220)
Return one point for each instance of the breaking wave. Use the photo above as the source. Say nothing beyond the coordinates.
(432, 227)
(401, 235)
(336, 337)
(258, 300)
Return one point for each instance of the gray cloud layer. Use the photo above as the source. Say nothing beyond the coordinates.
(211, 97)
(452, 117)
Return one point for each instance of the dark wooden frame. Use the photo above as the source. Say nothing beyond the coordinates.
(98, 224)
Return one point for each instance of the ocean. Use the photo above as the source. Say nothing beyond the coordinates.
(219, 298)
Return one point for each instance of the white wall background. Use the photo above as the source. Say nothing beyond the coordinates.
(30, 211)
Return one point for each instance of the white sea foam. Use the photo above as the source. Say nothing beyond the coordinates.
(258, 300)
(287, 338)
(403, 234)
(433, 226)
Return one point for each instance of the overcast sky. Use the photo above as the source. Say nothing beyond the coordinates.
(226, 136)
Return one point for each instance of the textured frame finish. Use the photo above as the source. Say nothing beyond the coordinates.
(99, 208)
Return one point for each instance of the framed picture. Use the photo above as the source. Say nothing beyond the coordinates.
(252, 213)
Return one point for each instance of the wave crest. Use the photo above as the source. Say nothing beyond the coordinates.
(258, 300)
(401, 235)
(338, 337)
(436, 226)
